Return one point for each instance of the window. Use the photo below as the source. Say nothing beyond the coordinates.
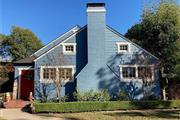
(49, 73)
(129, 72)
(69, 48)
(57, 72)
(144, 72)
(65, 73)
(137, 71)
(123, 47)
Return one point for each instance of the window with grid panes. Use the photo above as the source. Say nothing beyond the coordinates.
(123, 47)
(69, 48)
(144, 72)
(49, 73)
(65, 73)
(128, 72)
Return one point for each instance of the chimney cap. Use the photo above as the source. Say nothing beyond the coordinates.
(95, 4)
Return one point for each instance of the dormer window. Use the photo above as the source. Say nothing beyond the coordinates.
(69, 48)
(123, 47)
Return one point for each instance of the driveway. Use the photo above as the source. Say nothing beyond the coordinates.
(17, 114)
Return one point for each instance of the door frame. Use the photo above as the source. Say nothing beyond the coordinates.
(19, 80)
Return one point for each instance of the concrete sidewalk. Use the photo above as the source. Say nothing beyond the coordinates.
(17, 114)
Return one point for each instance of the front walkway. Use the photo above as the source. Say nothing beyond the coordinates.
(17, 114)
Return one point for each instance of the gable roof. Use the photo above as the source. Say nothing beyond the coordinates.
(122, 36)
(53, 47)
(56, 41)
(64, 37)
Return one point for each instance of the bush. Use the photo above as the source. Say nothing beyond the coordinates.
(123, 95)
(56, 100)
(102, 106)
(92, 96)
(78, 106)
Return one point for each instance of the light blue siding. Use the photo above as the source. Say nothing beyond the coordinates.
(55, 57)
(107, 73)
(55, 42)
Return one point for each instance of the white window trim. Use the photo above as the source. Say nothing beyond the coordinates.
(42, 80)
(69, 52)
(58, 44)
(123, 43)
(74, 29)
(136, 67)
(19, 79)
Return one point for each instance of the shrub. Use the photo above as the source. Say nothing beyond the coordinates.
(100, 106)
(78, 106)
(123, 95)
(62, 99)
(92, 96)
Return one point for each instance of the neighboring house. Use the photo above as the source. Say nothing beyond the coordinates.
(92, 57)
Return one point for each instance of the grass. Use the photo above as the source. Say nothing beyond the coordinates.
(2, 118)
(121, 115)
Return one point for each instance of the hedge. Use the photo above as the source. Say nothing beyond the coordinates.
(103, 106)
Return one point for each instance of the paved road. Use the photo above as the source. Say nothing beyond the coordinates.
(17, 114)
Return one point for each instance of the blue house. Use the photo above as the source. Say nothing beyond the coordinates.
(91, 57)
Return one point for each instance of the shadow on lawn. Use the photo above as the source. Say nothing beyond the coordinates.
(173, 114)
(63, 117)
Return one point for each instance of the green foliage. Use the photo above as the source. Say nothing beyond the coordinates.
(3, 74)
(2, 37)
(56, 100)
(123, 95)
(92, 96)
(176, 70)
(158, 32)
(101, 106)
(22, 42)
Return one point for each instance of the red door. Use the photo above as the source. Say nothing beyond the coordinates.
(27, 83)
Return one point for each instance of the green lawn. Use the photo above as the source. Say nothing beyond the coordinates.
(122, 115)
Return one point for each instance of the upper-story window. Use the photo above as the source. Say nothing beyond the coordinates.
(123, 47)
(69, 48)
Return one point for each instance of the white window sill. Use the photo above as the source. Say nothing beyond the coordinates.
(51, 81)
(69, 53)
(123, 52)
(130, 79)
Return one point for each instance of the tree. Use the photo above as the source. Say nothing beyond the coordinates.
(22, 42)
(159, 33)
(55, 80)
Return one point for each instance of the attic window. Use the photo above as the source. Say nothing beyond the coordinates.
(69, 48)
(123, 47)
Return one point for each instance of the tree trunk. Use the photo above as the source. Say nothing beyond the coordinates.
(58, 89)
(164, 94)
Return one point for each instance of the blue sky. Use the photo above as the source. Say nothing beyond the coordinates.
(50, 18)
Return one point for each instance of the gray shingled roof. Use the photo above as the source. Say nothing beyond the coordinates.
(26, 60)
